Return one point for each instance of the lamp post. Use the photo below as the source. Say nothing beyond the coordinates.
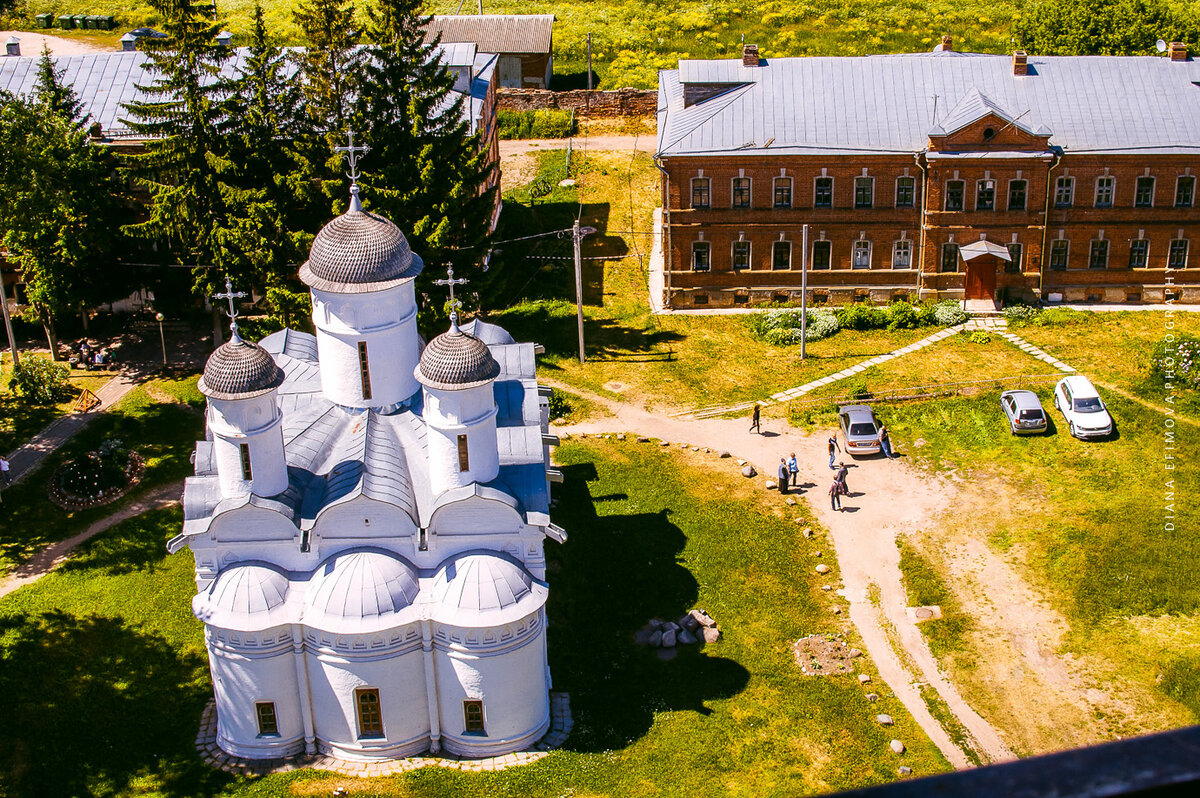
(577, 234)
(162, 337)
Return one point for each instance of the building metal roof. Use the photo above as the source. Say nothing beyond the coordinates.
(496, 33)
(888, 104)
(361, 590)
(485, 588)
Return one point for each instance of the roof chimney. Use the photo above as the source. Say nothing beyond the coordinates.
(948, 43)
(224, 38)
(1178, 51)
(750, 55)
(13, 46)
(128, 43)
(1020, 63)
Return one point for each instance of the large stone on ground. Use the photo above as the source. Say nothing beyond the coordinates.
(822, 568)
(770, 484)
(703, 618)
(748, 471)
(668, 639)
(863, 678)
(686, 638)
(723, 455)
(897, 746)
(670, 626)
(688, 622)
(643, 439)
(710, 635)
(884, 720)
(904, 770)
(655, 639)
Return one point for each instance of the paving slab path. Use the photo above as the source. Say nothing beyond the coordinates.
(888, 498)
(56, 554)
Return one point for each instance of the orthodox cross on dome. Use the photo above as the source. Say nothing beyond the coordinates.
(233, 314)
(451, 282)
(352, 154)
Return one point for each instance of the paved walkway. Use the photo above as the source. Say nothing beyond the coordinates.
(29, 456)
(55, 555)
(1040, 354)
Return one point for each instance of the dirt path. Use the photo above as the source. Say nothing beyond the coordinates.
(887, 499)
(53, 556)
(643, 143)
(32, 43)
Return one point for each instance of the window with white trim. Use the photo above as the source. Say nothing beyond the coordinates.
(1177, 255)
(701, 192)
(861, 255)
(955, 189)
(823, 192)
(783, 192)
(741, 192)
(985, 195)
(1060, 250)
(1098, 257)
(1139, 253)
(864, 192)
(902, 254)
(1064, 192)
(701, 256)
(268, 724)
(906, 192)
(1105, 188)
(741, 255)
(1143, 196)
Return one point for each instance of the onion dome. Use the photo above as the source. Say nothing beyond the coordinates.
(239, 370)
(359, 252)
(455, 361)
(485, 587)
(245, 597)
(360, 589)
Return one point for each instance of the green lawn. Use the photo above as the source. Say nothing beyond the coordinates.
(160, 419)
(104, 676)
(20, 421)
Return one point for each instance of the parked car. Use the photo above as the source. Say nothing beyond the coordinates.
(860, 430)
(1082, 407)
(1024, 412)
(147, 33)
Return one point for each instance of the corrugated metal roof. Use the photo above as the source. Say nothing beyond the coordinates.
(497, 33)
(886, 103)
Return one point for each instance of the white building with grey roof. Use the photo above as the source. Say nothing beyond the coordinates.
(367, 516)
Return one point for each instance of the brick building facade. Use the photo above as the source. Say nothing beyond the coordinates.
(939, 175)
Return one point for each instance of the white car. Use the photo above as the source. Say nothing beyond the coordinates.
(1082, 407)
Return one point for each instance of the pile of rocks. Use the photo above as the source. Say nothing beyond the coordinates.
(696, 626)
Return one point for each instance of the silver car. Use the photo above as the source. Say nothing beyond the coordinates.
(1024, 412)
(860, 431)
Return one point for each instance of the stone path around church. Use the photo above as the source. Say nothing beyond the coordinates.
(26, 458)
(889, 498)
(561, 723)
(55, 555)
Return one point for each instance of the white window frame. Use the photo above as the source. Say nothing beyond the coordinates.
(707, 247)
(946, 196)
(1153, 190)
(733, 192)
(749, 256)
(907, 246)
(871, 181)
(791, 191)
(775, 244)
(1187, 251)
(1111, 189)
(1092, 251)
(1025, 204)
(1066, 242)
(692, 197)
(854, 250)
(832, 188)
(1065, 183)
(913, 202)
(1146, 260)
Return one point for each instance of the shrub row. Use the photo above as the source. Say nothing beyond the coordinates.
(1045, 317)
(781, 327)
(535, 124)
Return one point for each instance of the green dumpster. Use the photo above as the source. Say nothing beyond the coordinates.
(110, 22)
(66, 22)
(89, 22)
(45, 20)
(79, 20)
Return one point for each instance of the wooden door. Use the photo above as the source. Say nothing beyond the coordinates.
(981, 278)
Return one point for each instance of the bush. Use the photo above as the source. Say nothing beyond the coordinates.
(903, 316)
(40, 381)
(1022, 314)
(539, 124)
(1176, 361)
(559, 406)
(861, 317)
(948, 313)
(782, 327)
(980, 337)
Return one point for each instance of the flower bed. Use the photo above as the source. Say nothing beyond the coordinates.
(96, 478)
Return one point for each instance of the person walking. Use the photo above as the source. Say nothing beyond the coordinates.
(4, 471)
(755, 426)
(835, 496)
(793, 469)
(840, 478)
(833, 447)
(885, 441)
(783, 476)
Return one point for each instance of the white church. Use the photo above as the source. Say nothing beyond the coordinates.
(367, 517)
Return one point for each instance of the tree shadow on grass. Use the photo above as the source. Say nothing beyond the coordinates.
(91, 705)
(614, 574)
(554, 325)
(132, 545)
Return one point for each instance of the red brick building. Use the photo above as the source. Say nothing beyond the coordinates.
(932, 175)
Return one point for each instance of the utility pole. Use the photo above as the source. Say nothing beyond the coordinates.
(577, 234)
(803, 291)
(12, 341)
(589, 62)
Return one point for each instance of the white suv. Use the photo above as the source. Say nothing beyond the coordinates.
(1082, 407)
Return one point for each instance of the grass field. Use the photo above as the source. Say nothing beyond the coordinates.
(111, 639)
(19, 421)
(160, 419)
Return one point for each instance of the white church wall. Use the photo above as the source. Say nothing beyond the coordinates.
(474, 515)
(386, 322)
(251, 524)
(509, 677)
(398, 675)
(244, 674)
(268, 466)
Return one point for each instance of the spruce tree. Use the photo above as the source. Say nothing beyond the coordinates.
(427, 171)
(186, 162)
